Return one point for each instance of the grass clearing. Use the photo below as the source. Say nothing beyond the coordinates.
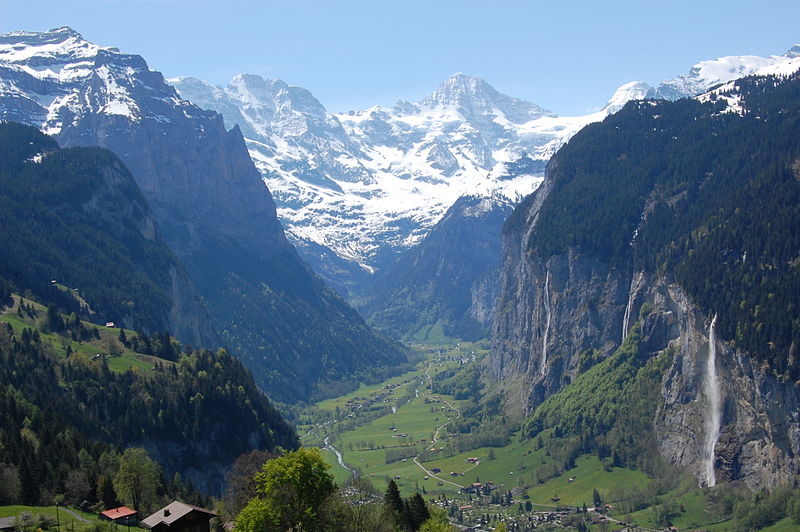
(784, 525)
(118, 357)
(65, 516)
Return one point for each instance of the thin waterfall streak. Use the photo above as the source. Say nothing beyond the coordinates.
(547, 323)
(626, 320)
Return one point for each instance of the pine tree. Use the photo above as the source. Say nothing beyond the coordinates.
(418, 511)
(29, 487)
(106, 493)
(596, 498)
(54, 322)
(392, 499)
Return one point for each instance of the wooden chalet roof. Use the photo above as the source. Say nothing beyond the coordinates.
(172, 513)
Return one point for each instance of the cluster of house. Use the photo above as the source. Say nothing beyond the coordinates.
(382, 397)
(174, 517)
(480, 489)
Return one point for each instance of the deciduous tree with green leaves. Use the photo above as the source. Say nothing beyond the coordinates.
(137, 479)
(292, 494)
(438, 522)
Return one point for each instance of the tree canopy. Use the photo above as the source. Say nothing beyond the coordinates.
(137, 479)
(292, 490)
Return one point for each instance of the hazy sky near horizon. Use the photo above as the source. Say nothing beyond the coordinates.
(566, 56)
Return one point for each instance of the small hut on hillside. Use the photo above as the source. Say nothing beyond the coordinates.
(123, 515)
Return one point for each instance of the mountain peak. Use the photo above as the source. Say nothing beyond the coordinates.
(458, 88)
(64, 31)
(793, 52)
(55, 35)
(254, 89)
(473, 97)
(41, 47)
(706, 74)
(634, 90)
(80, 75)
(465, 80)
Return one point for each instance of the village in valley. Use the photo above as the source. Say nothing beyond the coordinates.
(404, 431)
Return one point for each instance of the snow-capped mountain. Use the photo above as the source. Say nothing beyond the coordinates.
(366, 187)
(55, 78)
(731, 94)
(371, 183)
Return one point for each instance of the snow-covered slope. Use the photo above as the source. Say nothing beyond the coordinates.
(371, 183)
(55, 78)
(707, 74)
(731, 94)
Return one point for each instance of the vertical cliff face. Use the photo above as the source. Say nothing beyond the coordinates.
(203, 191)
(641, 219)
(570, 296)
(77, 216)
(187, 318)
(197, 177)
(759, 440)
(759, 429)
(550, 312)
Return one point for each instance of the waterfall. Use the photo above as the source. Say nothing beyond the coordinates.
(713, 415)
(637, 281)
(626, 320)
(547, 323)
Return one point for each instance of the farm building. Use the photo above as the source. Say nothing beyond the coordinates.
(180, 517)
(123, 515)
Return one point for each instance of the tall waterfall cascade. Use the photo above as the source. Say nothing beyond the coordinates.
(547, 323)
(713, 414)
(637, 281)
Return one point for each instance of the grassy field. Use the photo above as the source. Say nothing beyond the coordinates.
(411, 378)
(403, 414)
(118, 357)
(65, 516)
(340, 475)
(396, 415)
(784, 525)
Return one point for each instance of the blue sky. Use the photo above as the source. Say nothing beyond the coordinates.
(567, 56)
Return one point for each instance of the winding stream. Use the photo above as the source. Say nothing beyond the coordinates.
(334, 450)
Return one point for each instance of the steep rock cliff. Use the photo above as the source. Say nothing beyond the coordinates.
(759, 439)
(643, 218)
(77, 217)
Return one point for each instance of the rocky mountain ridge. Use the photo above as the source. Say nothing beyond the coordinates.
(447, 284)
(209, 201)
